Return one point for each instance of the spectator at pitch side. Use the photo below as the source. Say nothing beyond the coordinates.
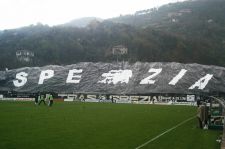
(198, 103)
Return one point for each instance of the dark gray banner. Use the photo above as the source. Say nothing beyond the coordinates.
(116, 78)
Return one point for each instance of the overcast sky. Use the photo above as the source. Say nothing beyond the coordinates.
(18, 13)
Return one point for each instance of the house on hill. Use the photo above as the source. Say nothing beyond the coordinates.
(119, 50)
(24, 55)
(185, 11)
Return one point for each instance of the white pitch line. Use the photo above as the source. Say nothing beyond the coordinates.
(168, 130)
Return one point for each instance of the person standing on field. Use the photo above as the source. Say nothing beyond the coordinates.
(41, 99)
(200, 116)
(50, 98)
(36, 98)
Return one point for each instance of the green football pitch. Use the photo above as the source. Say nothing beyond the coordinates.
(76, 125)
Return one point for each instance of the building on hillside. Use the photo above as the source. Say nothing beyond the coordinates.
(24, 55)
(185, 11)
(119, 50)
(209, 20)
(174, 14)
(179, 13)
(173, 20)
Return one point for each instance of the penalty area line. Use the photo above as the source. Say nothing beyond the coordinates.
(165, 132)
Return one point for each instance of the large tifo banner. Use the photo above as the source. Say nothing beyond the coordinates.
(116, 78)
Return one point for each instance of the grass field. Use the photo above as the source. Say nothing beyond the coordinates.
(100, 125)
